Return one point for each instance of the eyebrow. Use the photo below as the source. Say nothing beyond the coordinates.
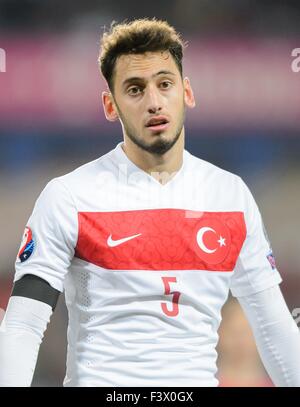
(140, 79)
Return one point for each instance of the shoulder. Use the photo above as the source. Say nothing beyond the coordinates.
(220, 187)
(82, 177)
(212, 173)
(62, 191)
(88, 170)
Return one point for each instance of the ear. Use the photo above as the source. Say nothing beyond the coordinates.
(109, 107)
(188, 93)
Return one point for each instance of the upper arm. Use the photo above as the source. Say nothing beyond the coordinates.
(255, 269)
(50, 237)
(36, 288)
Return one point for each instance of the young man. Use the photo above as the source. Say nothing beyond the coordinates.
(146, 241)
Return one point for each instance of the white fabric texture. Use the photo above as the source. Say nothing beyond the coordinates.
(276, 334)
(119, 332)
(253, 272)
(54, 218)
(21, 333)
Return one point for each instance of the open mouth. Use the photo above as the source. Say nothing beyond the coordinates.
(157, 123)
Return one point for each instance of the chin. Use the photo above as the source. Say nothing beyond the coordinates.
(161, 146)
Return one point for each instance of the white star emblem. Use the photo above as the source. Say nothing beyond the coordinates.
(221, 241)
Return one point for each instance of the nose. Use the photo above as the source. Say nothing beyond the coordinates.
(153, 100)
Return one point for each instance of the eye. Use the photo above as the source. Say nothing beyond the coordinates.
(134, 90)
(165, 84)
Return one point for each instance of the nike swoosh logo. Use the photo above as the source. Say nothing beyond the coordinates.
(113, 243)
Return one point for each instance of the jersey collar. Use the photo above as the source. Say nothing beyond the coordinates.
(136, 174)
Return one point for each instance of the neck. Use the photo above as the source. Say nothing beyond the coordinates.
(161, 167)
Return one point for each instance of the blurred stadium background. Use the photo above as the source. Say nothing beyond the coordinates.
(247, 120)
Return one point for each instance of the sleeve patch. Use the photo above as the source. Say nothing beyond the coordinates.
(27, 246)
(271, 260)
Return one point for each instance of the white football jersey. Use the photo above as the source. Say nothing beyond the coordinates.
(146, 267)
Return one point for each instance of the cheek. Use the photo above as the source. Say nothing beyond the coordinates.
(132, 117)
(177, 95)
(178, 103)
(126, 112)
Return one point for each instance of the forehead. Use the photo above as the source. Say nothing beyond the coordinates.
(144, 65)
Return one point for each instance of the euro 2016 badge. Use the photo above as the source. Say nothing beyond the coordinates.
(271, 259)
(27, 246)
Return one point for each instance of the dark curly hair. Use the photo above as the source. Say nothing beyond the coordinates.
(137, 37)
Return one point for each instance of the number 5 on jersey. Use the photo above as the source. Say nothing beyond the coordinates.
(176, 294)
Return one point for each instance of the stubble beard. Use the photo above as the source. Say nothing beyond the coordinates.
(160, 146)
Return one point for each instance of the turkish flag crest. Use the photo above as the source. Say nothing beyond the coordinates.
(212, 240)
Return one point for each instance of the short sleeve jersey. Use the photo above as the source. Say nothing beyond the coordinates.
(146, 267)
